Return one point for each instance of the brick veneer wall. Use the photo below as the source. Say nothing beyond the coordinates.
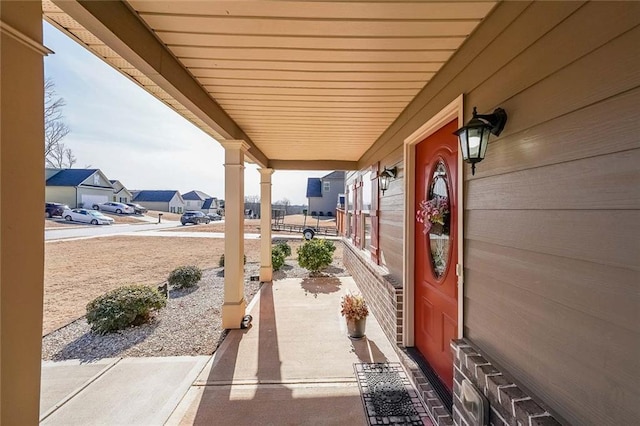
(509, 404)
(383, 295)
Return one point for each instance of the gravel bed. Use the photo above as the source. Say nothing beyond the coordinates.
(190, 324)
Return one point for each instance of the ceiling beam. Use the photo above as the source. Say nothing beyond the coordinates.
(115, 24)
(313, 165)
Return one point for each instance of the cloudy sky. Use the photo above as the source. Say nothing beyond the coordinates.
(132, 137)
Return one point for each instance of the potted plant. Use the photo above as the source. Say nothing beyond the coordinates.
(355, 311)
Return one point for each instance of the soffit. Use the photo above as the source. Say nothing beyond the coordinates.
(304, 80)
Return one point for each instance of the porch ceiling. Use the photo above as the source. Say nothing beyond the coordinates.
(300, 81)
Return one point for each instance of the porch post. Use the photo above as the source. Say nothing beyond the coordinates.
(21, 198)
(266, 270)
(233, 309)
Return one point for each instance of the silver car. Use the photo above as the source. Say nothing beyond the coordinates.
(87, 216)
(119, 208)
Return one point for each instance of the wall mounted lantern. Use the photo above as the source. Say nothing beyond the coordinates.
(474, 137)
(385, 177)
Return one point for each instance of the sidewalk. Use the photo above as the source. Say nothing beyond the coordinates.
(293, 366)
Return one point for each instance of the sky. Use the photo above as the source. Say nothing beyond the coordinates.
(132, 137)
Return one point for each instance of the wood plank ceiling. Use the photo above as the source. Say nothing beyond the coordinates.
(305, 80)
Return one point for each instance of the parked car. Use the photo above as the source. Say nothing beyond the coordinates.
(214, 216)
(137, 208)
(87, 216)
(194, 217)
(54, 209)
(114, 207)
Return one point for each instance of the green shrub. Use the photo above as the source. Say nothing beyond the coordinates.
(277, 258)
(284, 248)
(221, 261)
(316, 254)
(185, 276)
(123, 307)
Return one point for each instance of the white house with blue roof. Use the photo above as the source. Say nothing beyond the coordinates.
(77, 187)
(163, 200)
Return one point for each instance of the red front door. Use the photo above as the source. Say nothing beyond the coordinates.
(436, 249)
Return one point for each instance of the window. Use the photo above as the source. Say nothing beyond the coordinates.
(363, 212)
(326, 186)
(366, 209)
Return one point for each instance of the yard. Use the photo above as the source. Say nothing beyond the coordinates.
(78, 271)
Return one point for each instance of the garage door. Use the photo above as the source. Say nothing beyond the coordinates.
(88, 201)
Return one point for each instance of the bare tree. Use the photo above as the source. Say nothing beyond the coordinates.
(56, 154)
(284, 205)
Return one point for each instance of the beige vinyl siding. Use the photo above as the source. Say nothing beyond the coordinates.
(61, 194)
(551, 232)
(161, 206)
(392, 217)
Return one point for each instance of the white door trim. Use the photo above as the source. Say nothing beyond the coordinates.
(452, 111)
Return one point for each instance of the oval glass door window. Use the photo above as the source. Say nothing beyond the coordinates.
(439, 233)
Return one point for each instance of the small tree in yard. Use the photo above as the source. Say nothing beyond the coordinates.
(123, 307)
(279, 253)
(185, 276)
(316, 254)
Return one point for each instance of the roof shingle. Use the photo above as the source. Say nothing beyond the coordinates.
(314, 187)
(70, 177)
(157, 196)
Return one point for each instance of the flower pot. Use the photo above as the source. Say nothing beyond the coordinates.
(356, 328)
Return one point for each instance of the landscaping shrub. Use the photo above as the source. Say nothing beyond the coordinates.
(123, 307)
(277, 258)
(221, 261)
(316, 254)
(284, 248)
(185, 276)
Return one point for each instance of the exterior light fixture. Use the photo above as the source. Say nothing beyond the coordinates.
(385, 177)
(474, 137)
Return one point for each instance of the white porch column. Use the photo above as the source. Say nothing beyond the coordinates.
(233, 309)
(266, 270)
(21, 229)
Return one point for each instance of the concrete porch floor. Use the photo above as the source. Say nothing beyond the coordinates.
(293, 366)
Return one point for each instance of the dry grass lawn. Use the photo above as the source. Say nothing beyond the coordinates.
(78, 271)
(165, 215)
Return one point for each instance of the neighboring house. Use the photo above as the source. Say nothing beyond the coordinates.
(323, 193)
(164, 201)
(120, 193)
(195, 199)
(210, 205)
(77, 187)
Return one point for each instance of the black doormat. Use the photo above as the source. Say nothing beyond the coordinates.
(388, 397)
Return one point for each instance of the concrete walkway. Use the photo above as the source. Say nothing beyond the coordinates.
(294, 366)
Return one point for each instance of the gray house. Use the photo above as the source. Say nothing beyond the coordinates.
(77, 187)
(210, 205)
(194, 200)
(323, 193)
(120, 193)
(164, 201)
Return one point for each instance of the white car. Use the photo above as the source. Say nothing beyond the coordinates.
(115, 208)
(87, 216)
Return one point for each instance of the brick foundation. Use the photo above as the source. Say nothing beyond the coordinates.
(509, 404)
(383, 295)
